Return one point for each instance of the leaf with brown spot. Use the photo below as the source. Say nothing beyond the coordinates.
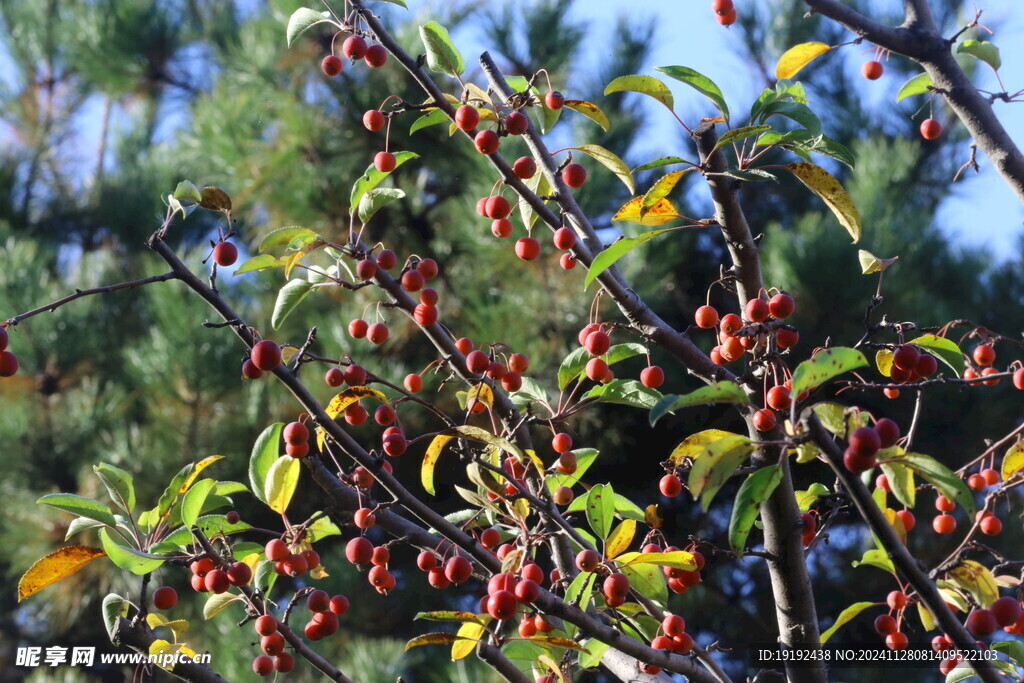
(57, 565)
(823, 184)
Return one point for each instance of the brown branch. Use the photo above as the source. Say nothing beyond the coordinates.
(496, 659)
(79, 293)
(897, 551)
(139, 637)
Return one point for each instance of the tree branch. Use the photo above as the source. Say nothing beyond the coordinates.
(139, 637)
(79, 293)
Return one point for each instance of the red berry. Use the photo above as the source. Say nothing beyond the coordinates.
(373, 119)
(561, 443)
(354, 47)
(779, 398)
(457, 569)
(888, 432)
(596, 369)
(943, 504)
(331, 66)
(587, 560)
(497, 207)
(424, 314)
(276, 550)
(502, 604)
(225, 254)
(376, 56)
(355, 376)
(334, 377)
(381, 556)
(1018, 379)
(930, 129)
(670, 486)
(524, 168)
(857, 463)
(764, 420)
(896, 641)
(295, 565)
(757, 310)
(706, 317)
(1006, 611)
(413, 383)
(564, 238)
(781, 306)
(359, 551)
(386, 260)
(897, 600)
(166, 597)
(264, 665)
(673, 625)
(501, 227)
(562, 496)
(249, 371)
(217, 581)
(527, 248)
(527, 629)
(976, 482)
(427, 267)
(981, 623)
(265, 355)
(615, 585)
(926, 365)
(486, 142)
(865, 441)
(467, 117)
(906, 357)
(554, 100)
(872, 70)
(239, 574)
(511, 382)
(884, 625)
(731, 324)
(357, 328)
(944, 524)
(477, 362)
(991, 526)
(991, 476)
(295, 432)
(727, 19)
(527, 590)
(377, 333)
(652, 377)
(516, 123)
(384, 162)
(721, 6)
(786, 338)
(284, 662)
(597, 343)
(574, 175)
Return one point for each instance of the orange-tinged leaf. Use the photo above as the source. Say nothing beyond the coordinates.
(196, 471)
(346, 398)
(1013, 461)
(590, 110)
(797, 57)
(660, 213)
(57, 565)
(823, 184)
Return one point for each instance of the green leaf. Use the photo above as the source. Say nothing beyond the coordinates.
(442, 55)
(916, 85)
(585, 457)
(900, 476)
(575, 363)
(876, 558)
(282, 479)
(942, 478)
(541, 187)
(983, 50)
(1014, 649)
(805, 499)
(129, 559)
(282, 237)
(626, 508)
(699, 82)
(186, 191)
(216, 604)
(737, 134)
(321, 529)
(81, 524)
(844, 617)
(372, 178)
(601, 509)
(628, 392)
(210, 525)
(795, 111)
(617, 250)
(430, 119)
(825, 365)
(647, 580)
(264, 454)
(715, 465)
(945, 350)
(302, 20)
(261, 262)
(114, 607)
(287, 300)
(590, 110)
(119, 485)
(645, 85)
(193, 502)
(265, 576)
(754, 491)
(748, 175)
(597, 650)
(610, 161)
(720, 392)
(662, 161)
(832, 416)
(803, 140)
(81, 506)
(582, 585)
(375, 199)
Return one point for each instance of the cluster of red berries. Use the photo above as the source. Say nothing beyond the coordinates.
(225, 253)
(984, 356)
(597, 342)
(864, 443)
(779, 398)
(732, 345)
(1004, 612)
(888, 626)
(679, 580)
(509, 373)
(264, 356)
(506, 592)
(910, 364)
(354, 48)
(361, 551)
(272, 643)
(208, 577)
(291, 560)
(671, 636)
(725, 12)
(8, 361)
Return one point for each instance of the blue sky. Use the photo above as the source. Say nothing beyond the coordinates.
(981, 211)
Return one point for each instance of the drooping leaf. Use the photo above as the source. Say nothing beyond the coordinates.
(646, 85)
(620, 538)
(627, 392)
(430, 459)
(797, 57)
(575, 363)
(915, 85)
(715, 465)
(129, 559)
(541, 187)
(118, 484)
(823, 184)
(694, 445)
(617, 250)
(754, 491)
(737, 134)
(869, 263)
(193, 501)
(349, 396)
(556, 641)
(1013, 461)
(372, 178)
(876, 558)
(720, 392)
(264, 454)
(58, 565)
(434, 117)
(288, 299)
(600, 509)
(590, 110)
(439, 638)
(375, 199)
(114, 608)
(844, 618)
(942, 478)
(659, 214)
(944, 349)
(216, 604)
(983, 50)
(81, 524)
(282, 479)
(699, 82)
(442, 55)
(81, 506)
(659, 162)
(612, 162)
(901, 478)
(302, 20)
(461, 432)
(825, 365)
(448, 616)
(469, 635)
(976, 579)
(661, 189)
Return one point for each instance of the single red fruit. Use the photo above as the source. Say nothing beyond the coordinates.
(467, 117)
(673, 625)
(384, 162)
(486, 142)
(943, 504)
(930, 129)
(976, 482)
(265, 355)
(502, 605)
(334, 377)
(984, 354)
(497, 207)
(295, 565)
(331, 66)
(587, 560)
(373, 120)
(264, 665)
(527, 629)
(512, 382)
(897, 600)
(524, 168)
(981, 623)
(166, 597)
(276, 550)
(1005, 610)
(884, 625)
(387, 259)
(786, 338)
(295, 432)
(779, 398)
(567, 261)
(516, 123)
(554, 100)
(527, 590)
(564, 238)
(377, 333)
(872, 70)
(413, 383)
(896, 641)
(991, 476)
(731, 324)
(857, 463)
(764, 420)
(944, 524)
(4, 339)
(424, 314)
(561, 443)
(501, 227)
(239, 574)
(272, 644)
(527, 248)
(574, 175)
(615, 585)
(882, 482)
(355, 376)
(888, 432)
(597, 343)
(357, 328)
(991, 526)
(670, 486)
(359, 551)
(906, 356)
(376, 56)
(721, 6)
(457, 569)
(249, 371)
(427, 267)
(477, 362)
(217, 581)
(652, 377)
(562, 496)
(284, 662)
(781, 306)
(757, 310)
(225, 254)
(1018, 379)
(727, 19)
(412, 281)
(354, 47)
(865, 441)
(926, 365)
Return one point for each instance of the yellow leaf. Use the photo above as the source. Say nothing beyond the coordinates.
(57, 565)
(976, 579)
(897, 524)
(927, 620)
(216, 604)
(869, 263)
(430, 461)
(288, 353)
(292, 261)
(281, 481)
(678, 559)
(692, 445)
(555, 641)
(652, 518)
(797, 57)
(472, 633)
(661, 189)
(346, 398)
(162, 647)
(200, 466)
(552, 666)
(590, 110)
(252, 560)
(178, 626)
(659, 214)
(482, 393)
(883, 360)
(522, 508)
(620, 538)
(611, 161)
(1013, 461)
(463, 432)
(823, 184)
(532, 454)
